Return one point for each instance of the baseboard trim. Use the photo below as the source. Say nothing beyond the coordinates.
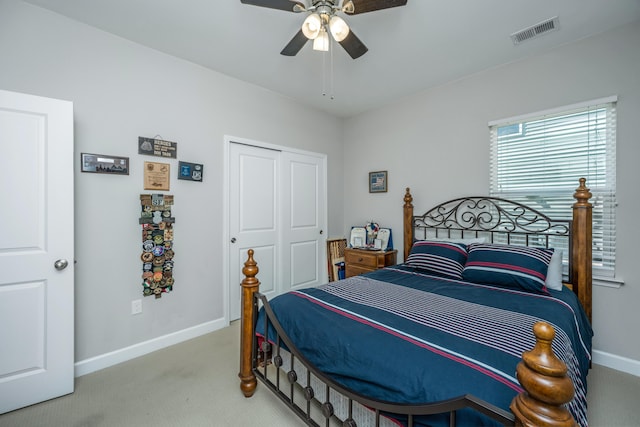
(619, 363)
(106, 360)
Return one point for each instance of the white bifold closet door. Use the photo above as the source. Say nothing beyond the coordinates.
(277, 207)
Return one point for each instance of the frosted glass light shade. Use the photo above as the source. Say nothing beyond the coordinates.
(311, 26)
(321, 42)
(339, 29)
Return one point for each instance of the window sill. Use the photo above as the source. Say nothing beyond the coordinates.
(608, 282)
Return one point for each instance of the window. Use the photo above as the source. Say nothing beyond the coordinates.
(537, 160)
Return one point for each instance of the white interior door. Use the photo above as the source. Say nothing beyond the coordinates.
(303, 221)
(253, 218)
(36, 250)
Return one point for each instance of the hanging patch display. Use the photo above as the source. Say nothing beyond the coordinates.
(157, 243)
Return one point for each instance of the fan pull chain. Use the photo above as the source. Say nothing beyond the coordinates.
(324, 69)
(324, 72)
(331, 60)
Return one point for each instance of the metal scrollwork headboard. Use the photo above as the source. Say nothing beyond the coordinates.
(496, 220)
(490, 215)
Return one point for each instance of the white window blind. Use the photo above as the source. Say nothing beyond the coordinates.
(538, 159)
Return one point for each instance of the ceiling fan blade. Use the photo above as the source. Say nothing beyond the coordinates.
(353, 46)
(296, 43)
(287, 5)
(363, 6)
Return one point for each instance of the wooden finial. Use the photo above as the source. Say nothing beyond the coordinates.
(250, 270)
(582, 194)
(250, 285)
(408, 198)
(547, 386)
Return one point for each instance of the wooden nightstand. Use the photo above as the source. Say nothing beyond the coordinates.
(359, 261)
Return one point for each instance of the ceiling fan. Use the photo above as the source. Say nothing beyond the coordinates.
(323, 20)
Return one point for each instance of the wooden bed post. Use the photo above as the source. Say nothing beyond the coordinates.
(408, 223)
(547, 386)
(581, 237)
(250, 285)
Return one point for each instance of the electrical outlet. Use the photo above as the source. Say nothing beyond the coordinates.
(136, 306)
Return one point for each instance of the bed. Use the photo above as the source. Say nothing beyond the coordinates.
(468, 331)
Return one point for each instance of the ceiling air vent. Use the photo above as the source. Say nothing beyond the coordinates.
(535, 30)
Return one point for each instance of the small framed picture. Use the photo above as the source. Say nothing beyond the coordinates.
(100, 163)
(378, 182)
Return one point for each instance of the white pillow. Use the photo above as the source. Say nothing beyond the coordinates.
(554, 272)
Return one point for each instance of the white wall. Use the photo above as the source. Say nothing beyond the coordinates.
(437, 143)
(120, 91)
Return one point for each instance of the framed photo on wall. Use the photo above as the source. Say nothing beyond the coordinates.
(101, 163)
(378, 182)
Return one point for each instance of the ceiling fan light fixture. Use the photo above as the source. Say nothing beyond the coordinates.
(321, 42)
(339, 28)
(322, 18)
(311, 26)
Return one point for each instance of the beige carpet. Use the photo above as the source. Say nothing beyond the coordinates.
(195, 383)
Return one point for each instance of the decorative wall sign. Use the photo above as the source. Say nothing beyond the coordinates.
(378, 182)
(157, 147)
(190, 171)
(156, 176)
(157, 244)
(100, 163)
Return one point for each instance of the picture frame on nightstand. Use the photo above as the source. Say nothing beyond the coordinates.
(384, 235)
(358, 237)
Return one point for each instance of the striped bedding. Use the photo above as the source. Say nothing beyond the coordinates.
(400, 335)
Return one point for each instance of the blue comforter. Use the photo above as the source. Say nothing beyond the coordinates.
(403, 336)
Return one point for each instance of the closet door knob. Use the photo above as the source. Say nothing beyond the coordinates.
(233, 240)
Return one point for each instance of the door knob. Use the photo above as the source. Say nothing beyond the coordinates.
(61, 264)
(321, 231)
(233, 240)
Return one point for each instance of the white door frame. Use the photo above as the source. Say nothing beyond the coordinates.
(228, 139)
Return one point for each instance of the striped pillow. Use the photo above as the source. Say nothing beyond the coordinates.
(506, 265)
(441, 258)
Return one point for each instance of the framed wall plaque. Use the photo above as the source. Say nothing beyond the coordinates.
(156, 176)
(101, 163)
(378, 182)
(190, 171)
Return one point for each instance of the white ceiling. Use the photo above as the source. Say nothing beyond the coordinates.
(411, 48)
